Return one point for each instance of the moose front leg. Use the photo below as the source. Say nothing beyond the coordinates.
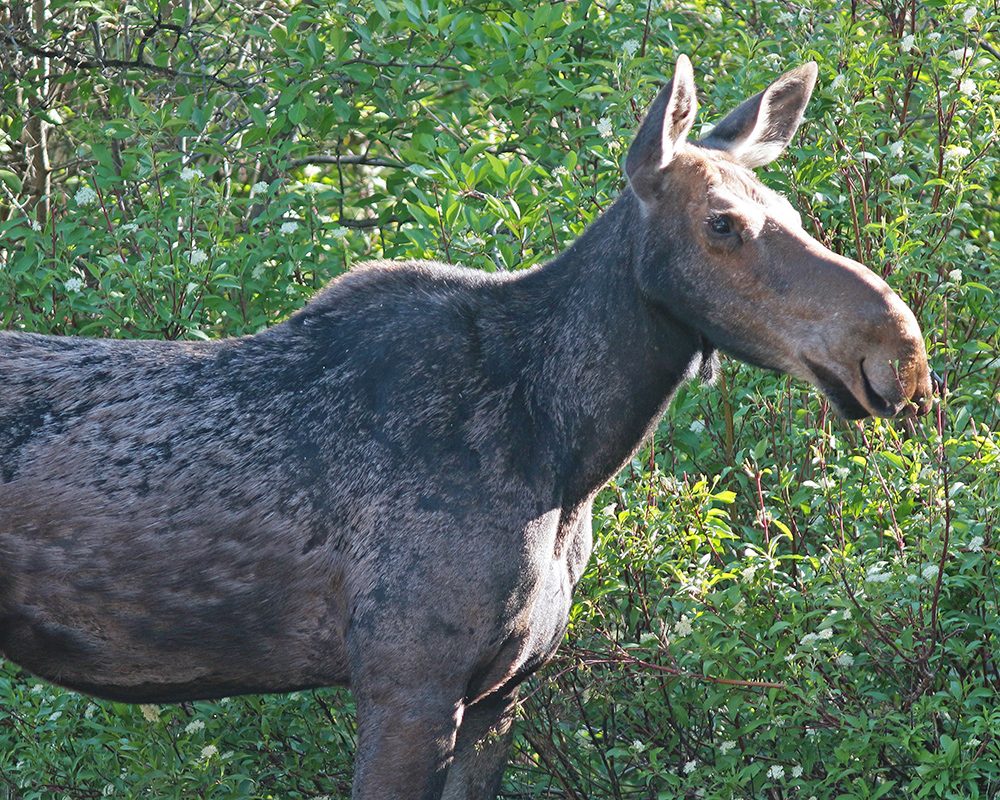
(406, 739)
(484, 740)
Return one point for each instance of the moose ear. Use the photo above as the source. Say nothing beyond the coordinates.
(663, 131)
(759, 129)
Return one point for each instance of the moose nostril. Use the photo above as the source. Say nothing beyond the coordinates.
(876, 401)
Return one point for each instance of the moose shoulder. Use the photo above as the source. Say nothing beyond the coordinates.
(392, 489)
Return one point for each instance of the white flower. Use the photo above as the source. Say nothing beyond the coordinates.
(630, 48)
(930, 572)
(726, 746)
(797, 771)
(955, 153)
(638, 746)
(899, 179)
(683, 626)
(896, 147)
(151, 713)
(808, 639)
(341, 233)
(195, 726)
(962, 54)
(35, 225)
(690, 767)
(697, 426)
(786, 18)
(906, 43)
(258, 188)
(826, 633)
(970, 248)
(839, 82)
(197, 256)
(741, 607)
(955, 276)
(976, 544)
(208, 752)
(604, 128)
(73, 284)
(190, 173)
(715, 16)
(845, 660)
(88, 712)
(969, 15)
(968, 86)
(776, 772)
(85, 196)
(878, 577)
(288, 227)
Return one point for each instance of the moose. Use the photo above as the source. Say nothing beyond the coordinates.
(392, 488)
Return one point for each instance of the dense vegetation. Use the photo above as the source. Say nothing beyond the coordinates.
(781, 604)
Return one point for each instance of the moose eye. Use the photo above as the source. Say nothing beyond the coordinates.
(720, 225)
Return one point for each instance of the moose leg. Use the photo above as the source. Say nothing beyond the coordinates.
(481, 750)
(405, 744)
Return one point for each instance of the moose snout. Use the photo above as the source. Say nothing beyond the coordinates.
(897, 377)
(867, 352)
(896, 388)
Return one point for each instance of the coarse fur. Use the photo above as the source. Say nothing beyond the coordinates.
(392, 489)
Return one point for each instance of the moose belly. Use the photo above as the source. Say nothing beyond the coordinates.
(158, 613)
(161, 645)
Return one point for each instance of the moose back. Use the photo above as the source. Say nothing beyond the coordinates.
(392, 489)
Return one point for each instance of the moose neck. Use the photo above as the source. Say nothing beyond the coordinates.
(610, 358)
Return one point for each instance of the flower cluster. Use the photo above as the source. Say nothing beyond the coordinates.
(85, 196)
(812, 638)
(683, 626)
(207, 753)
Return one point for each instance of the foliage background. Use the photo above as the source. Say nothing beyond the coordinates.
(781, 604)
